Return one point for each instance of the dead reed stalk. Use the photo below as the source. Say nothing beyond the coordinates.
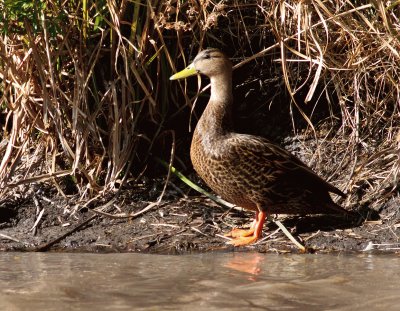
(85, 91)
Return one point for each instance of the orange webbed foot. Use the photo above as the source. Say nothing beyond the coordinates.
(246, 237)
(237, 233)
(243, 240)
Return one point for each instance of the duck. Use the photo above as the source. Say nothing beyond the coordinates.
(246, 170)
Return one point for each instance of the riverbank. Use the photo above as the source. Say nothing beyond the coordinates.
(177, 225)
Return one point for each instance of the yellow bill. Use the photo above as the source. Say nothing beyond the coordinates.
(187, 72)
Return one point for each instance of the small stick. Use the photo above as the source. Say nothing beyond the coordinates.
(198, 231)
(223, 236)
(132, 215)
(46, 246)
(289, 235)
(9, 238)
(37, 220)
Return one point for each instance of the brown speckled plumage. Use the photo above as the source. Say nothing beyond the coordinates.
(247, 170)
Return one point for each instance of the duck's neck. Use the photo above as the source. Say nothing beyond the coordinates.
(216, 120)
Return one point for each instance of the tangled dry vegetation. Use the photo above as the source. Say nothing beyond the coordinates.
(86, 97)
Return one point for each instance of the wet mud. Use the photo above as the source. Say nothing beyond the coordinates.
(133, 221)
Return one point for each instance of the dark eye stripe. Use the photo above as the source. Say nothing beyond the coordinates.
(211, 55)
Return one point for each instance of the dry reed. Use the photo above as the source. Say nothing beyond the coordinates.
(85, 91)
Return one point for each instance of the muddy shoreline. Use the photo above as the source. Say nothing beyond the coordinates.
(178, 225)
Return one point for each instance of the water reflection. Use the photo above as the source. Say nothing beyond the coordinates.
(216, 281)
(252, 264)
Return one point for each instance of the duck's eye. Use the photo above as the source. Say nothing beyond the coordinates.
(207, 56)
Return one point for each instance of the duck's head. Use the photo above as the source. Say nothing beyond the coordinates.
(209, 62)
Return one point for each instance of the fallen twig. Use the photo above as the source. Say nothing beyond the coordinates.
(46, 246)
(9, 238)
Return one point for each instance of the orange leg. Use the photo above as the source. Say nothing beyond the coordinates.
(245, 237)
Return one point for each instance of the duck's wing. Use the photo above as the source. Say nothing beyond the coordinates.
(263, 156)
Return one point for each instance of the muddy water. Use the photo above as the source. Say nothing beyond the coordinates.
(213, 281)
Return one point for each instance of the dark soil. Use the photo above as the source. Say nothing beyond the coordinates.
(179, 224)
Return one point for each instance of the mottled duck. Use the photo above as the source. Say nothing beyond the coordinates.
(246, 170)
